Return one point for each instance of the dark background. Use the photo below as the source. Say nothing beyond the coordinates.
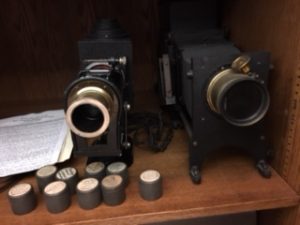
(38, 47)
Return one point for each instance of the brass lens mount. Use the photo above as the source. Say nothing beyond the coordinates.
(89, 106)
(240, 98)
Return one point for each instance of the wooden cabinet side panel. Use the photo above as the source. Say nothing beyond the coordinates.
(273, 25)
(39, 54)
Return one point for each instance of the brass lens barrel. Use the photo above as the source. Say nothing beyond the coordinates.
(240, 99)
(90, 104)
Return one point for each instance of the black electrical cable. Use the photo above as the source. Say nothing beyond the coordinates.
(150, 130)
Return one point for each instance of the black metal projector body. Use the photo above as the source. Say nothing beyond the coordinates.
(240, 102)
(97, 102)
(107, 39)
(220, 95)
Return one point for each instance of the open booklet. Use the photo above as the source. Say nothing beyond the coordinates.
(34, 140)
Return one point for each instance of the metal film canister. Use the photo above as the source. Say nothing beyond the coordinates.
(118, 168)
(70, 176)
(113, 190)
(88, 193)
(44, 176)
(150, 185)
(22, 198)
(57, 196)
(95, 170)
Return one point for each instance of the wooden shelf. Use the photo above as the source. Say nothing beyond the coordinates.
(230, 184)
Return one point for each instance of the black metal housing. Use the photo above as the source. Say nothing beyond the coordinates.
(207, 130)
(196, 55)
(107, 44)
(107, 39)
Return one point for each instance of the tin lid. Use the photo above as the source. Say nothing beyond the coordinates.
(19, 190)
(46, 171)
(94, 167)
(116, 167)
(55, 188)
(112, 182)
(150, 176)
(66, 173)
(87, 185)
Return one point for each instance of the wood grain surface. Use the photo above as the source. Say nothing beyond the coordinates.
(274, 26)
(231, 184)
(38, 43)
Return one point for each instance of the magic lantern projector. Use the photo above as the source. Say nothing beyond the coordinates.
(220, 92)
(222, 99)
(98, 100)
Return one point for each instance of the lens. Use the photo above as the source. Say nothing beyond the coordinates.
(87, 118)
(89, 106)
(242, 101)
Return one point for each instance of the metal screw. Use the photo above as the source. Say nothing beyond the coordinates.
(127, 106)
(202, 118)
(195, 143)
(126, 145)
(190, 73)
(123, 60)
(241, 64)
